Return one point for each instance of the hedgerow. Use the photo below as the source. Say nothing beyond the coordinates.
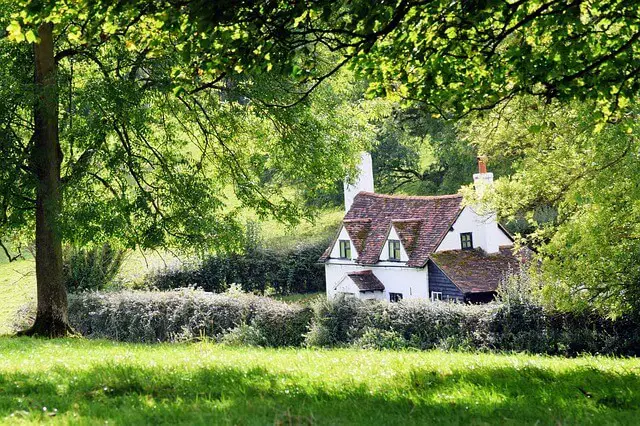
(517, 327)
(295, 270)
(138, 316)
(252, 320)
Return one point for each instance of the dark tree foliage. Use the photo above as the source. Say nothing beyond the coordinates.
(295, 270)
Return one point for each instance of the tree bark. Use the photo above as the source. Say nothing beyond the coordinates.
(51, 317)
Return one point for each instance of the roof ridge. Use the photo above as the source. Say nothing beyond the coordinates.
(412, 219)
(409, 197)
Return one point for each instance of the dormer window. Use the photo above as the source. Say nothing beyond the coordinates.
(394, 249)
(345, 249)
(466, 240)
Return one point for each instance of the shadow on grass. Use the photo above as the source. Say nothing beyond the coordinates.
(127, 394)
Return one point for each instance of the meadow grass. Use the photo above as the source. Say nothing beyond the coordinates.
(17, 287)
(88, 382)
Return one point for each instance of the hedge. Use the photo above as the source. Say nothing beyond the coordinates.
(294, 270)
(246, 319)
(139, 316)
(421, 324)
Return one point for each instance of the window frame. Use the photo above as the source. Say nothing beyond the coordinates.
(345, 247)
(463, 242)
(434, 293)
(392, 252)
(395, 297)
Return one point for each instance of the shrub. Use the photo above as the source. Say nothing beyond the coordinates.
(244, 335)
(422, 324)
(373, 338)
(498, 327)
(24, 317)
(295, 270)
(92, 269)
(185, 315)
(239, 318)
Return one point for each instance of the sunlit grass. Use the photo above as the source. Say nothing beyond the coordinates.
(95, 381)
(17, 287)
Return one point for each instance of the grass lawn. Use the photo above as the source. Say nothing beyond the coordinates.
(17, 287)
(87, 382)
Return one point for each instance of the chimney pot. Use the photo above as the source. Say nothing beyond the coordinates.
(482, 164)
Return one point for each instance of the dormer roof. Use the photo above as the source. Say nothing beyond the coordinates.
(421, 223)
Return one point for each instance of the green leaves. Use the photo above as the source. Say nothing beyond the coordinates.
(573, 195)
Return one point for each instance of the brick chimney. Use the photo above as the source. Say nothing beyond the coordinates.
(364, 181)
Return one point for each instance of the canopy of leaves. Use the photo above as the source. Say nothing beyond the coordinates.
(452, 56)
(151, 161)
(418, 154)
(587, 177)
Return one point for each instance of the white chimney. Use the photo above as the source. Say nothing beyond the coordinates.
(482, 179)
(486, 223)
(363, 182)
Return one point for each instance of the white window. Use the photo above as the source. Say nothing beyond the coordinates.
(436, 295)
(345, 249)
(394, 249)
(395, 297)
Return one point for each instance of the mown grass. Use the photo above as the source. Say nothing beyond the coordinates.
(90, 382)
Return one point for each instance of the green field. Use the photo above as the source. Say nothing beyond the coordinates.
(90, 382)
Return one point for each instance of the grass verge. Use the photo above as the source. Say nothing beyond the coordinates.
(87, 382)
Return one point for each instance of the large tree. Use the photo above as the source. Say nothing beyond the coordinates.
(123, 135)
(452, 57)
(575, 182)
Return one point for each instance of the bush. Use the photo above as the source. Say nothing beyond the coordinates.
(92, 269)
(421, 323)
(257, 270)
(238, 318)
(497, 327)
(185, 315)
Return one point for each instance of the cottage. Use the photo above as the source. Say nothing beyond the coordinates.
(393, 247)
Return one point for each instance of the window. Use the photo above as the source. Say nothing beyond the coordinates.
(345, 249)
(436, 295)
(394, 250)
(395, 297)
(466, 241)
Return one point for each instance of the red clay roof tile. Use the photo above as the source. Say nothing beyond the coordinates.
(474, 271)
(421, 223)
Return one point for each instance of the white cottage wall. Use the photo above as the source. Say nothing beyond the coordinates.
(411, 282)
(335, 251)
(485, 232)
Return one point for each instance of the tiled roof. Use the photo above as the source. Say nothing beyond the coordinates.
(366, 281)
(408, 231)
(358, 230)
(421, 223)
(474, 271)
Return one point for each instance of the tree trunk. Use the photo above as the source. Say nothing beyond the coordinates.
(51, 318)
